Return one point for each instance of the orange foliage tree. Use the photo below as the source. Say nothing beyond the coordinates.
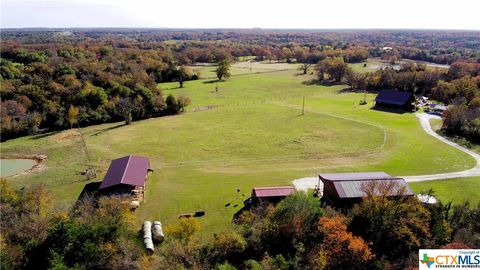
(344, 250)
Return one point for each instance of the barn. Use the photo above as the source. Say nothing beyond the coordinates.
(393, 99)
(127, 176)
(349, 188)
(270, 194)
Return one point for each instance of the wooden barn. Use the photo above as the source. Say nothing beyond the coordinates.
(349, 188)
(127, 176)
(270, 194)
(393, 99)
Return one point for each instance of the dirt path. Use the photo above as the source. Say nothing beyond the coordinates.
(310, 182)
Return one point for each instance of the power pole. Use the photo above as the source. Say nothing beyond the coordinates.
(91, 172)
(303, 106)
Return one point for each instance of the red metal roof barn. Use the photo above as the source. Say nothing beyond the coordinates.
(127, 175)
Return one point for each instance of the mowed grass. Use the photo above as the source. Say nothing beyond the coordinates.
(457, 190)
(408, 149)
(373, 64)
(201, 159)
(257, 137)
(250, 89)
(207, 71)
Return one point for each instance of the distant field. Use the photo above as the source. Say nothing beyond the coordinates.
(373, 64)
(250, 89)
(457, 190)
(257, 137)
(207, 71)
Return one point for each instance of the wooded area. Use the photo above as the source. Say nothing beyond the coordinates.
(51, 81)
(381, 232)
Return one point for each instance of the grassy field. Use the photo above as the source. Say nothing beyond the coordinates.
(448, 190)
(256, 137)
(437, 125)
(373, 64)
(207, 71)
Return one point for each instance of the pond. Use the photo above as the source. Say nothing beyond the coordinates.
(9, 167)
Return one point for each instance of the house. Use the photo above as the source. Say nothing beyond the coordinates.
(127, 176)
(270, 194)
(394, 99)
(350, 188)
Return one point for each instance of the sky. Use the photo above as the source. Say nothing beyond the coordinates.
(310, 14)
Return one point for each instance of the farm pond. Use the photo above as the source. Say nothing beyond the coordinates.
(9, 167)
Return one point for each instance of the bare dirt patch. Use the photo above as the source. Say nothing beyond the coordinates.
(71, 135)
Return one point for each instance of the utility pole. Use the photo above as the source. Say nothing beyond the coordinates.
(303, 106)
(90, 172)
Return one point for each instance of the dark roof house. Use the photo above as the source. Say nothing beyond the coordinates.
(394, 99)
(350, 187)
(271, 194)
(127, 171)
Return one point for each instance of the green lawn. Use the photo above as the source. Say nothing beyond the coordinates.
(457, 190)
(207, 71)
(436, 124)
(257, 137)
(250, 89)
(372, 64)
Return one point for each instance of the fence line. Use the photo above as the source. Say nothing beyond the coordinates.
(277, 158)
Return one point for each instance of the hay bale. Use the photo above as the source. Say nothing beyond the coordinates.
(158, 232)
(147, 236)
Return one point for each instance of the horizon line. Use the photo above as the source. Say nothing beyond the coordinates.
(228, 28)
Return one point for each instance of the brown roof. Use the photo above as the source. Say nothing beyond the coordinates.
(354, 176)
(262, 192)
(129, 170)
(351, 185)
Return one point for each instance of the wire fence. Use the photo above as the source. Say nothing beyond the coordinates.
(238, 161)
(279, 101)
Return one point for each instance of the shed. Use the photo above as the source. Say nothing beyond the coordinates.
(348, 188)
(271, 194)
(437, 108)
(127, 175)
(395, 100)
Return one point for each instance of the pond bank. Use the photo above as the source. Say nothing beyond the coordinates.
(14, 165)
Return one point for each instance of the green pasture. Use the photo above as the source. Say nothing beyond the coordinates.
(457, 190)
(257, 136)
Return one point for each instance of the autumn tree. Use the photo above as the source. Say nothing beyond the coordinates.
(341, 247)
(72, 116)
(184, 230)
(223, 70)
(334, 68)
(125, 107)
(396, 225)
(225, 246)
(183, 74)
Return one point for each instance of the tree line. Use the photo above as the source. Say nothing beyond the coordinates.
(45, 88)
(458, 87)
(380, 232)
(51, 82)
(438, 46)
